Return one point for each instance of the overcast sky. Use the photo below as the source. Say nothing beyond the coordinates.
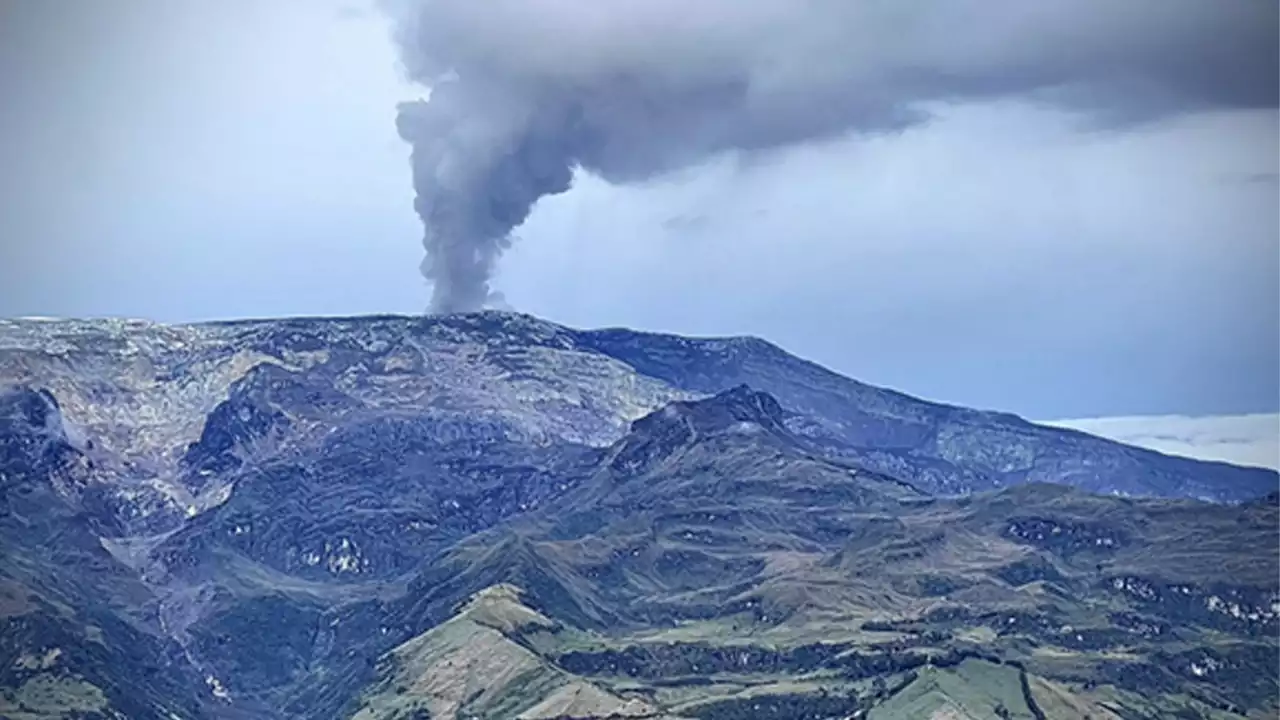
(185, 160)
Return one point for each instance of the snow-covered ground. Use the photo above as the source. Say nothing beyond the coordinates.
(1239, 439)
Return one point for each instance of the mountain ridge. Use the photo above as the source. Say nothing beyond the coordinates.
(884, 429)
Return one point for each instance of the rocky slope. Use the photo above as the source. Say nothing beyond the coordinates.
(288, 519)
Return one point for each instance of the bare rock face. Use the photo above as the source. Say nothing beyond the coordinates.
(293, 518)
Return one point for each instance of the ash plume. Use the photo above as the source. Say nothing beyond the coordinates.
(523, 93)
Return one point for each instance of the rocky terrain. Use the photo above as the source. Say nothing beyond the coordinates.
(491, 516)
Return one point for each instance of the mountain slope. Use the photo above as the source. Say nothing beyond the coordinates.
(77, 631)
(469, 666)
(942, 448)
(708, 573)
(281, 519)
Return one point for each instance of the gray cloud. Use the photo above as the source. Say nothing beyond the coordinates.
(523, 92)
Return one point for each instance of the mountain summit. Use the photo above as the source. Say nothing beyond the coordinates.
(723, 411)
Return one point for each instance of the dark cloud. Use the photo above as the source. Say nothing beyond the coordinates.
(526, 91)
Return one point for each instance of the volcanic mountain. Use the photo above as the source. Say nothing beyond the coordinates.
(488, 515)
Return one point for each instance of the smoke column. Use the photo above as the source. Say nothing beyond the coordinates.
(477, 177)
(525, 92)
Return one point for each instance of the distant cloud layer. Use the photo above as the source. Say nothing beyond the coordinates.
(1252, 440)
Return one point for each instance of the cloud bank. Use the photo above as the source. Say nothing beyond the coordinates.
(1251, 440)
(525, 92)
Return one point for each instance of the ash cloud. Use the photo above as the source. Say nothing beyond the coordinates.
(525, 92)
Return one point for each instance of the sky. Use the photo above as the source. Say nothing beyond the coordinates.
(184, 161)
